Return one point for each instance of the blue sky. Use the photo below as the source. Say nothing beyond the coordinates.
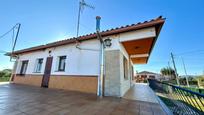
(45, 21)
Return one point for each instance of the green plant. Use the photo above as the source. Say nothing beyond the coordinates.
(145, 81)
(5, 75)
(168, 71)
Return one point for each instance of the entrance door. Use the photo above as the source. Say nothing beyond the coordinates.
(46, 76)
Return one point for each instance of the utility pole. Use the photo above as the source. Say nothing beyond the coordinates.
(177, 79)
(185, 72)
(170, 68)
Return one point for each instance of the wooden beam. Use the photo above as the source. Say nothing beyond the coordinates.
(139, 55)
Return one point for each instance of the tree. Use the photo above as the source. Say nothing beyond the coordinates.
(5, 73)
(168, 71)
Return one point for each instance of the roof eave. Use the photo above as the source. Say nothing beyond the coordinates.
(158, 21)
(158, 30)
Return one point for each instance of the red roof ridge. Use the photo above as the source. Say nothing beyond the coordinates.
(121, 29)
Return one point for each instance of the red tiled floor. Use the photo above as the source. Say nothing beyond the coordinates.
(28, 100)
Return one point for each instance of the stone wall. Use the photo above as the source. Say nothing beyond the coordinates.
(112, 73)
(114, 82)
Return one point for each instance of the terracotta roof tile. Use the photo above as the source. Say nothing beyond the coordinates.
(158, 21)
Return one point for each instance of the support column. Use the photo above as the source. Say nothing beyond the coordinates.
(112, 73)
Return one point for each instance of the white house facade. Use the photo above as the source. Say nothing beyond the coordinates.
(145, 75)
(65, 65)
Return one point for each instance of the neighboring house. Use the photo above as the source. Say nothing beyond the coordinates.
(65, 65)
(144, 75)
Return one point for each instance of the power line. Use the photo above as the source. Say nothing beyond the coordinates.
(190, 52)
(86, 28)
(12, 29)
(14, 37)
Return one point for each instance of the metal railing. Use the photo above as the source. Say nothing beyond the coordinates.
(180, 101)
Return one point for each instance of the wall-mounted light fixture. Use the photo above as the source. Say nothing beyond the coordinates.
(49, 52)
(107, 42)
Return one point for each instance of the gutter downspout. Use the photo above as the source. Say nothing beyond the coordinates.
(14, 70)
(101, 58)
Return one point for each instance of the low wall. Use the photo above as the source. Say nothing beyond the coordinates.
(86, 84)
(35, 80)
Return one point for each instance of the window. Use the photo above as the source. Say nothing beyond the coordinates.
(38, 66)
(132, 72)
(24, 67)
(125, 66)
(62, 62)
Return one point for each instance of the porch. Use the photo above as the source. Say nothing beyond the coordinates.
(141, 92)
(24, 100)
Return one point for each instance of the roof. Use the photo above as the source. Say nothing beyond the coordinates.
(154, 22)
(146, 72)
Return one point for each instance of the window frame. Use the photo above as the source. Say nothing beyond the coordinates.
(125, 67)
(132, 72)
(36, 65)
(60, 58)
(23, 63)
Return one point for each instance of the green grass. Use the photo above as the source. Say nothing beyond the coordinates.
(192, 87)
(199, 90)
(3, 79)
(191, 103)
(167, 101)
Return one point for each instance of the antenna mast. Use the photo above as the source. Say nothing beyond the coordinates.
(82, 4)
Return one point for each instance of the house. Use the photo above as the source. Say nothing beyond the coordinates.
(144, 75)
(74, 64)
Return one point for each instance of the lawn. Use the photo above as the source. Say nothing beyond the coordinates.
(199, 90)
(170, 102)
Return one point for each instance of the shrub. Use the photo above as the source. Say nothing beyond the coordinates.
(5, 75)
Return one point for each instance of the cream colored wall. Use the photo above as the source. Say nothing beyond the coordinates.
(81, 63)
(125, 83)
(78, 62)
(34, 80)
(75, 83)
(86, 84)
(139, 34)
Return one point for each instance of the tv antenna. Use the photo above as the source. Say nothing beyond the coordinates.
(82, 5)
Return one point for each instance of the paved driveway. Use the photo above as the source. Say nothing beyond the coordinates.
(28, 100)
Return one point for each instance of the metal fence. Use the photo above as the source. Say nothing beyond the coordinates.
(180, 101)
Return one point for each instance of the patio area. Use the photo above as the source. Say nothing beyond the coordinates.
(145, 93)
(29, 100)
